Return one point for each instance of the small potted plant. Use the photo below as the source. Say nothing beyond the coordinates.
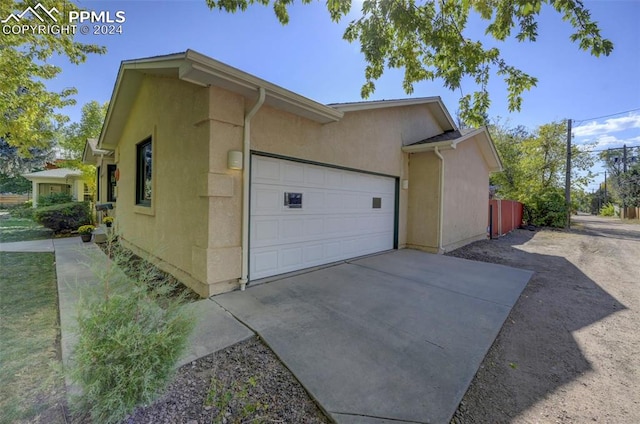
(86, 231)
(108, 221)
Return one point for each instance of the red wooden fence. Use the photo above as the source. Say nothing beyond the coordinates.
(505, 215)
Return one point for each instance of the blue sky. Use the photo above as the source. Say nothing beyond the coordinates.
(309, 57)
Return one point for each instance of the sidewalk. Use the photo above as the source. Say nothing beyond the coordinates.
(77, 265)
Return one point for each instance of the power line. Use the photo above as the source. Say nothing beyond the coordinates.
(580, 121)
(610, 148)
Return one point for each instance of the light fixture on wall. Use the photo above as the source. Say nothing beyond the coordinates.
(234, 159)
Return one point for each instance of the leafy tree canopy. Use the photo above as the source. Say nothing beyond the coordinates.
(535, 161)
(28, 110)
(427, 39)
(624, 175)
(534, 166)
(13, 163)
(75, 135)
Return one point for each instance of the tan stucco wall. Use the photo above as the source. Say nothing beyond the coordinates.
(466, 195)
(364, 140)
(423, 201)
(175, 227)
(368, 140)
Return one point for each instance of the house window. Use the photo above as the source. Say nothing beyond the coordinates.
(98, 184)
(143, 173)
(111, 183)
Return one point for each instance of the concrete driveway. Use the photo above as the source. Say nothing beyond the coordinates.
(391, 338)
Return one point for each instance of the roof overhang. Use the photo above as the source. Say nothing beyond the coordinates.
(91, 153)
(53, 175)
(435, 105)
(485, 144)
(202, 70)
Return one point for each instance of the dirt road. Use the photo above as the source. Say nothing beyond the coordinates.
(570, 349)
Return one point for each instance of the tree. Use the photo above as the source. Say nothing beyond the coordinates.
(74, 138)
(509, 142)
(624, 184)
(13, 163)
(427, 39)
(534, 165)
(75, 135)
(629, 183)
(28, 110)
(17, 184)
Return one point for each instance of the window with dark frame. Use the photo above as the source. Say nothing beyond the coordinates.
(143, 173)
(111, 183)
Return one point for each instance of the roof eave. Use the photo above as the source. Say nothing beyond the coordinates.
(490, 154)
(202, 70)
(439, 111)
(429, 147)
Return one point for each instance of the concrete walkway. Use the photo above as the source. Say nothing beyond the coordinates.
(78, 265)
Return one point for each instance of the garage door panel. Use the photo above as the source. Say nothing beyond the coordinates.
(293, 173)
(314, 253)
(265, 171)
(314, 201)
(333, 178)
(266, 231)
(315, 177)
(265, 262)
(291, 257)
(314, 227)
(292, 229)
(337, 219)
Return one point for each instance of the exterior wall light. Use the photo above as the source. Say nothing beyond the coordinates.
(234, 159)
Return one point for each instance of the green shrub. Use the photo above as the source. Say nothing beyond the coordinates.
(608, 210)
(22, 210)
(130, 336)
(66, 216)
(54, 199)
(547, 209)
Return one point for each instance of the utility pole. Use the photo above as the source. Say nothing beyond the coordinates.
(605, 188)
(567, 184)
(624, 170)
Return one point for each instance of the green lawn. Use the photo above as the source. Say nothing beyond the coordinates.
(20, 229)
(31, 389)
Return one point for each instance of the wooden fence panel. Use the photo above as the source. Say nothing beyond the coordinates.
(506, 216)
(13, 199)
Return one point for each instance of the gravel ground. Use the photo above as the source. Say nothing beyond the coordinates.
(570, 350)
(244, 383)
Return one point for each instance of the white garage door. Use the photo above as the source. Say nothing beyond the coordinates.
(306, 215)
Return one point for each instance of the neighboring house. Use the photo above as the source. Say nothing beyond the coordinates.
(57, 180)
(227, 178)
